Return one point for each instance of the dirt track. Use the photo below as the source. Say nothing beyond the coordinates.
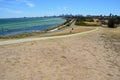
(56, 36)
(93, 56)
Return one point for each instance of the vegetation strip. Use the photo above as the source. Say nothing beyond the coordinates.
(43, 38)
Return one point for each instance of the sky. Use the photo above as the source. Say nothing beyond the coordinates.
(37, 8)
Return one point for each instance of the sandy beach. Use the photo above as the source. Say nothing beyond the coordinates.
(93, 56)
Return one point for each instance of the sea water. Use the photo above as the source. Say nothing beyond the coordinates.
(16, 26)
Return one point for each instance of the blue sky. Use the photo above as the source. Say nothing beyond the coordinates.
(33, 8)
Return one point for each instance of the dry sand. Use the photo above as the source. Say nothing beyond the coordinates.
(93, 56)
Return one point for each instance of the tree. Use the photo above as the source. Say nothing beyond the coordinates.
(117, 20)
(112, 21)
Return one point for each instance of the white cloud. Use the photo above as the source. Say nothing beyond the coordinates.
(27, 2)
(30, 4)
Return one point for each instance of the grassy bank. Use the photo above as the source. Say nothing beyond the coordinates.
(76, 29)
(85, 24)
(22, 35)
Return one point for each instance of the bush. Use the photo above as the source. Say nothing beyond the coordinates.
(85, 24)
(111, 23)
(89, 20)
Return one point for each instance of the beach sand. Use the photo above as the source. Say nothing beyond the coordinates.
(93, 56)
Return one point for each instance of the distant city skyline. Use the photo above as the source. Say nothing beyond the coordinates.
(38, 8)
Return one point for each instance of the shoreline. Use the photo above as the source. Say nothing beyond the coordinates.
(7, 42)
(24, 35)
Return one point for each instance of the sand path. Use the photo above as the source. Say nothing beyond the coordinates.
(42, 38)
(81, 57)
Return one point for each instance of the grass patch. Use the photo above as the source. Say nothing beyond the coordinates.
(85, 24)
(21, 35)
(64, 57)
(76, 29)
(113, 34)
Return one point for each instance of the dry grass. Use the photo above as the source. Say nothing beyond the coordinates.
(75, 29)
(93, 23)
(113, 33)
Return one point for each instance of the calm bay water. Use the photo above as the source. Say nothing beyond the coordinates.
(27, 25)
